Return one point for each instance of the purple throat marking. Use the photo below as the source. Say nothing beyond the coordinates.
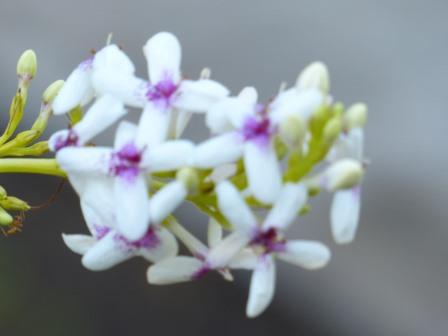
(257, 129)
(100, 231)
(200, 273)
(163, 93)
(149, 241)
(270, 240)
(126, 162)
(70, 140)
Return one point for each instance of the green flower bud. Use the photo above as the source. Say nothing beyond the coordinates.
(14, 203)
(293, 130)
(314, 76)
(356, 116)
(5, 218)
(52, 91)
(189, 177)
(343, 174)
(27, 65)
(332, 129)
(3, 193)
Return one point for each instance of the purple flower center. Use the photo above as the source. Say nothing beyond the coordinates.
(149, 241)
(66, 141)
(269, 240)
(126, 162)
(162, 94)
(257, 129)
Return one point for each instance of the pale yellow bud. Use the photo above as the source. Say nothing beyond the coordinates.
(5, 218)
(189, 177)
(27, 65)
(343, 174)
(332, 129)
(52, 91)
(3, 193)
(356, 116)
(293, 130)
(314, 76)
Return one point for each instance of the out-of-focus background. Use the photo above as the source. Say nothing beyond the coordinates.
(392, 280)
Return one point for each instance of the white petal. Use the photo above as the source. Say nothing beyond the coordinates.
(132, 206)
(214, 233)
(98, 208)
(245, 259)
(181, 122)
(78, 243)
(166, 200)
(249, 95)
(163, 54)
(84, 159)
(106, 253)
(61, 139)
(153, 126)
(127, 88)
(262, 287)
(194, 245)
(307, 254)
(289, 202)
(103, 113)
(227, 249)
(125, 134)
(237, 110)
(217, 119)
(168, 156)
(223, 149)
(165, 248)
(174, 270)
(263, 171)
(76, 88)
(234, 208)
(199, 96)
(345, 211)
(111, 58)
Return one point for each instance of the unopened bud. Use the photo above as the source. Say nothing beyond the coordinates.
(5, 218)
(356, 116)
(332, 129)
(52, 91)
(189, 177)
(205, 73)
(14, 203)
(343, 174)
(27, 65)
(293, 130)
(314, 76)
(3, 193)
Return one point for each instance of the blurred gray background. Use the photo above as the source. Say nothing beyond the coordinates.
(393, 55)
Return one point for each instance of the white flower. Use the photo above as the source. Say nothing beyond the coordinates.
(165, 95)
(105, 247)
(346, 205)
(264, 243)
(247, 130)
(128, 165)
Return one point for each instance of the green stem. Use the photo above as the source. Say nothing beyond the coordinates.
(31, 166)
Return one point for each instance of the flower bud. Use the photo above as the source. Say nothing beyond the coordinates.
(293, 130)
(14, 203)
(314, 76)
(342, 174)
(332, 129)
(27, 65)
(189, 177)
(5, 218)
(356, 116)
(52, 91)
(3, 193)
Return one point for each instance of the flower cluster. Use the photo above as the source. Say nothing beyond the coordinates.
(253, 177)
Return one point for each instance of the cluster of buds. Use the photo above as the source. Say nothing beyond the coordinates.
(254, 177)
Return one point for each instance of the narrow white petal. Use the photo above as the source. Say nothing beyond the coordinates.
(305, 253)
(345, 211)
(125, 87)
(132, 206)
(153, 126)
(262, 286)
(245, 259)
(166, 200)
(263, 171)
(222, 149)
(194, 245)
(227, 249)
(103, 113)
(181, 122)
(106, 253)
(78, 243)
(125, 134)
(111, 58)
(236, 109)
(168, 156)
(163, 54)
(166, 247)
(356, 136)
(84, 159)
(174, 270)
(214, 233)
(76, 88)
(289, 202)
(217, 119)
(199, 96)
(234, 208)
(249, 95)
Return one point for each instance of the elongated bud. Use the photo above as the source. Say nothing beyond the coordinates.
(14, 203)
(356, 116)
(189, 177)
(5, 218)
(27, 65)
(52, 91)
(293, 130)
(343, 174)
(314, 76)
(332, 129)
(3, 193)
